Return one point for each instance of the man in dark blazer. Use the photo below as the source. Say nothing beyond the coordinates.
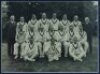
(11, 31)
(88, 27)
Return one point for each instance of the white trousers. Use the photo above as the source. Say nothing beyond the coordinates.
(32, 52)
(16, 48)
(66, 48)
(77, 54)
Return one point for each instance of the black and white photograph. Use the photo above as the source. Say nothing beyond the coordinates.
(49, 36)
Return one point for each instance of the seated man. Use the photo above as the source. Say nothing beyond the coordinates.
(54, 27)
(32, 46)
(58, 51)
(83, 40)
(53, 52)
(44, 37)
(67, 39)
(47, 50)
(75, 50)
(76, 23)
(20, 38)
(31, 50)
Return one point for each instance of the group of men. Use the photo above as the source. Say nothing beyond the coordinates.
(46, 37)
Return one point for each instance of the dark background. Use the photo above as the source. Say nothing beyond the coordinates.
(26, 9)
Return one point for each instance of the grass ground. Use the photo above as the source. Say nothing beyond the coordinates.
(89, 64)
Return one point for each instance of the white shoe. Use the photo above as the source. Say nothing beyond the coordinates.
(15, 57)
(25, 59)
(56, 58)
(60, 55)
(50, 60)
(33, 60)
(80, 60)
(74, 59)
(42, 56)
(29, 59)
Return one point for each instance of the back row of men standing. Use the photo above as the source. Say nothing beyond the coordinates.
(55, 32)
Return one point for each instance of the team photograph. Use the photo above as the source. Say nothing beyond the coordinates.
(49, 36)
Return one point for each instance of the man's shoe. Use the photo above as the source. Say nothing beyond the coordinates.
(15, 57)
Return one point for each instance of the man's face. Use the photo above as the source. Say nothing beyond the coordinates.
(81, 31)
(54, 15)
(43, 15)
(75, 18)
(31, 29)
(33, 17)
(22, 19)
(75, 40)
(20, 28)
(31, 42)
(81, 28)
(71, 28)
(52, 42)
(12, 18)
(64, 17)
(87, 20)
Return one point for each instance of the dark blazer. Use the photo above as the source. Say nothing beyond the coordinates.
(11, 31)
(88, 28)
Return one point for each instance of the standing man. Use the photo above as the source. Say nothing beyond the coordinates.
(75, 50)
(43, 25)
(55, 31)
(76, 24)
(54, 26)
(32, 26)
(88, 27)
(65, 37)
(31, 48)
(83, 39)
(11, 31)
(33, 41)
(21, 32)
